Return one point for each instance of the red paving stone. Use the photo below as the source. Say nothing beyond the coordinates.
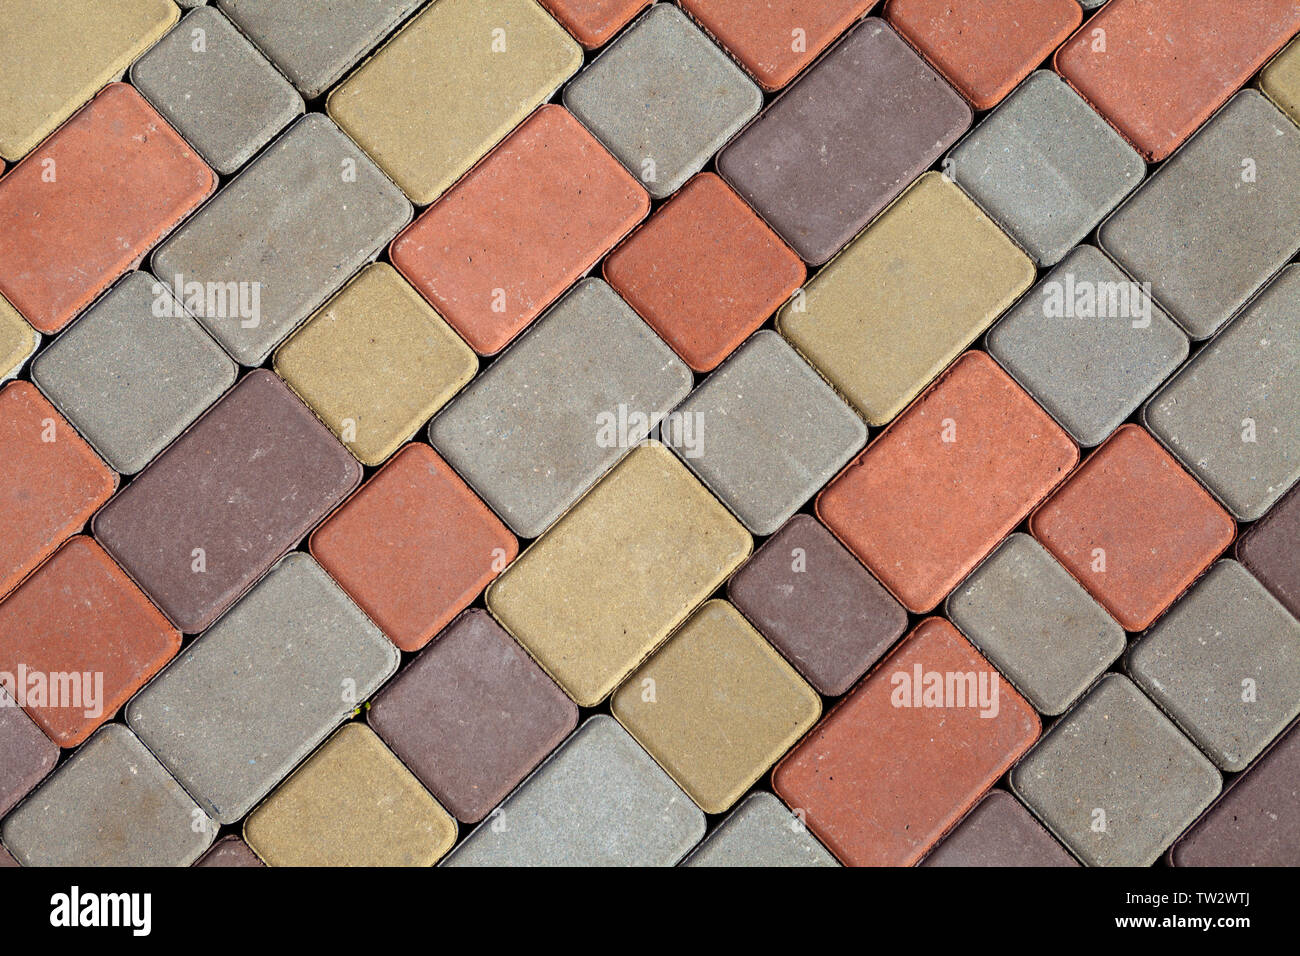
(1133, 527)
(920, 510)
(414, 546)
(51, 481)
(90, 201)
(775, 39)
(594, 22)
(704, 271)
(985, 47)
(880, 780)
(1157, 71)
(520, 228)
(80, 614)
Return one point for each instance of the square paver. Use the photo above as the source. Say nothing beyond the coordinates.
(1132, 527)
(906, 297)
(1115, 780)
(472, 715)
(1230, 416)
(26, 754)
(766, 432)
(999, 832)
(841, 143)
(133, 372)
(590, 600)
(551, 415)
(375, 363)
(600, 800)
(1089, 344)
(351, 803)
(760, 832)
(305, 658)
(111, 804)
(817, 604)
(18, 341)
(1269, 548)
(663, 99)
(1218, 219)
(1224, 662)
(716, 706)
(594, 22)
(414, 546)
(213, 85)
(281, 238)
(704, 271)
(1036, 624)
(1046, 167)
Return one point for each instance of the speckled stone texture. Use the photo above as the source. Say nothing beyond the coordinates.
(595, 580)
(472, 716)
(935, 493)
(1157, 71)
(112, 804)
(1257, 820)
(984, 47)
(89, 202)
(414, 546)
(1128, 501)
(79, 615)
(1216, 221)
(1115, 780)
(767, 432)
(230, 851)
(872, 809)
(817, 605)
(26, 754)
(1089, 344)
(287, 232)
(1269, 551)
(760, 832)
(305, 658)
(1224, 663)
(1046, 167)
(129, 379)
(316, 45)
(594, 22)
(351, 803)
(519, 229)
(1230, 415)
(239, 489)
(663, 99)
(18, 341)
(999, 832)
(600, 800)
(51, 481)
(716, 706)
(1036, 623)
(531, 459)
(836, 147)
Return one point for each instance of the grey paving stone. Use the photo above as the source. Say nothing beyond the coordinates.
(131, 379)
(111, 804)
(316, 41)
(1232, 416)
(1036, 624)
(599, 800)
(999, 832)
(760, 832)
(1089, 344)
(282, 237)
(1218, 219)
(1046, 167)
(256, 692)
(768, 432)
(1114, 779)
(531, 433)
(213, 85)
(1224, 662)
(663, 99)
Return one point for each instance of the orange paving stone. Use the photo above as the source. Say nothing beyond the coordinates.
(90, 201)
